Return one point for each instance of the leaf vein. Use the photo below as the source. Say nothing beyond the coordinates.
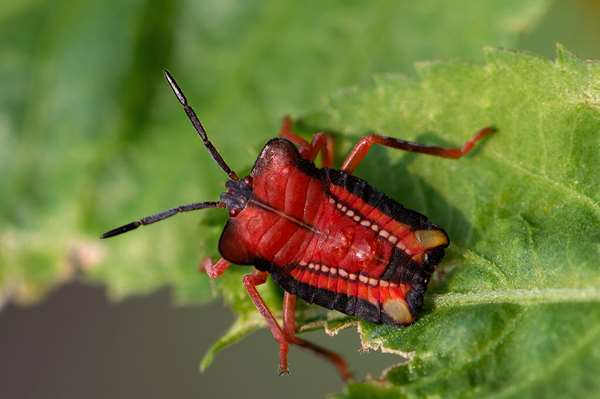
(487, 349)
(518, 296)
(469, 253)
(581, 197)
(588, 338)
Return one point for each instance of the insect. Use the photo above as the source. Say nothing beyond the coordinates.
(323, 235)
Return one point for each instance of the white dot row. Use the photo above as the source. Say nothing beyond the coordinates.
(350, 276)
(367, 223)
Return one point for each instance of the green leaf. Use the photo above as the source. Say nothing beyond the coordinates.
(514, 309)
(91, 137)
(242, 327)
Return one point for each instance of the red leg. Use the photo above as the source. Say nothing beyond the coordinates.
(289, 314)
(361, 148)
(250, 282)
(214, 270)
(289, 328)
(289, 335)
(321, 142)
(286, 131)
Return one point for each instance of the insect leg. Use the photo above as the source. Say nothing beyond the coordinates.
(287, 132)
(321, 142)
(361, 148)
(289, 314)
(250, 282)
(214, 270)
(289, 328)
(284, 338)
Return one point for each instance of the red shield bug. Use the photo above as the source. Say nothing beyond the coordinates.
(323, 235)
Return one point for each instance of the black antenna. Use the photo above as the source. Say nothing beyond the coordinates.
(161, 216)
(198, 126)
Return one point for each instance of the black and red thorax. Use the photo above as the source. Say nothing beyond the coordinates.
(330, 238)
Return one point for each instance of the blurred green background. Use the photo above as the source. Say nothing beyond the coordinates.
(90, 137)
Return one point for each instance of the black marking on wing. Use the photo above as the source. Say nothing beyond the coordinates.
(402, 268)
(376, 198)
(349, 305)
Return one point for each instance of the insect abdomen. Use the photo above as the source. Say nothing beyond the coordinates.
(332, 239)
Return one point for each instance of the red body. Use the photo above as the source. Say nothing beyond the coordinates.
(324, 235)
(332, 239)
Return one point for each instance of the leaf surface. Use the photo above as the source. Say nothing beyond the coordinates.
(91, 137)
(514, 309)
